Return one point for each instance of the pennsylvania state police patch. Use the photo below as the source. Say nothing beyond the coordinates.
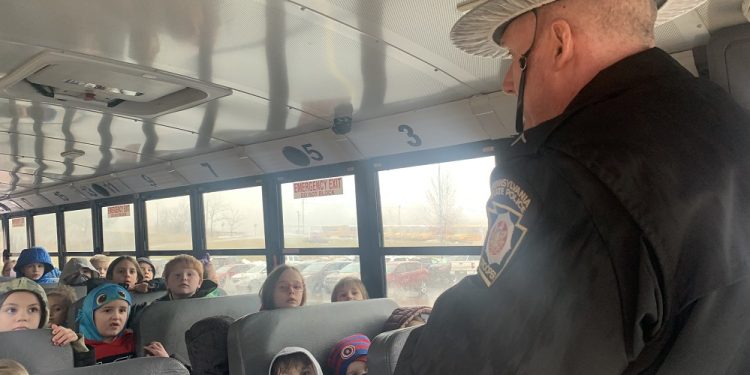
(506, 209)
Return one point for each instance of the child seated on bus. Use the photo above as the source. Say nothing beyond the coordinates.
(294, 361)
(11, 367)
(102, 320)
(403, 317)
(36, 264)
(349, 356)
(349, 289)
(149, 276)
(184, 277)
(8, 268)
(78, 271)
(101, 263)
(60, 300)
(125, 271)
(284, 287)
(23, 305)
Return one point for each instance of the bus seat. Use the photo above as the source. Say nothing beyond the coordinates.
(33, 348)
(167, 321)
(138, 298)
(385, 350)
(5, 278)
(255, 339)
(140, 366)
(79, 290)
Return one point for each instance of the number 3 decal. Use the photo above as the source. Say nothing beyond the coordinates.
(414, 140)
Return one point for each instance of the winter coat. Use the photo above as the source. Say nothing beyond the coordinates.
(207, 289)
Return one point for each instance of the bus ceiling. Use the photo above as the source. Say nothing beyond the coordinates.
(108, 98)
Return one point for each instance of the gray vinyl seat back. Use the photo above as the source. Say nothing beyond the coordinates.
(79, 290)
(135, 366)
(34, 350)
(167, 321)
(385, 350)
(138, 298)
(255, 339)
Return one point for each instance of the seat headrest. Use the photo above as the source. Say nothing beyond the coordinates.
(255, 339)
(385, 350)
(140, 366)
(34, 350)
(167, 321)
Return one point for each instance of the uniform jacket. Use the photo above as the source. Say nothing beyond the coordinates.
(618, 239)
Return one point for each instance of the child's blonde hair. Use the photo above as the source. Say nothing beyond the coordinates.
(11, 367)
(67, 293)
(348, 282)
(188, 261)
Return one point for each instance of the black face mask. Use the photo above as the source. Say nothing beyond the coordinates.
(76, 279)
(523, 61)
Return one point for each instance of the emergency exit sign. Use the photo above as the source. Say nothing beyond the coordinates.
(121, 210)
(318, 188)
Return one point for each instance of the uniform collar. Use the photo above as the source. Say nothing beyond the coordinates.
(644, 67)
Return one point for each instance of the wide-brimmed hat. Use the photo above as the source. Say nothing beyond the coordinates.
(474, 31)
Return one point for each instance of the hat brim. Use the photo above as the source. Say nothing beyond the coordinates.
(473, 32)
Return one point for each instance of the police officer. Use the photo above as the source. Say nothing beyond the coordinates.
(619, 220)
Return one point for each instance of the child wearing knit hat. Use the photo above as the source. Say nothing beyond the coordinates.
(349, 356)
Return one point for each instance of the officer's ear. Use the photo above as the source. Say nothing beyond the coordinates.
(562, 42)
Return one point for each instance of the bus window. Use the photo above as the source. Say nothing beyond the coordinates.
(45, 232)
(234, 219)
(320, 213)
(78, 233)
(239, 274)
(169, 226)
(435, 205)
(419, 280)
(18, 239)
(321, 273)
(118, 228)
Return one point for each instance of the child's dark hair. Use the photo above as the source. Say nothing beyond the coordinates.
(113, 265)
(39, 300)
(266, 291)
(348, 282)
(289, 362)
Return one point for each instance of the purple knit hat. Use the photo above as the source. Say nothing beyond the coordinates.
(346, 351)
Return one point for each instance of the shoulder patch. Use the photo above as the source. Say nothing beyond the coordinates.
(505, 209)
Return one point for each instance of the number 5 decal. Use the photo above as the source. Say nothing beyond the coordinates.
(314, 154)
(414, 140)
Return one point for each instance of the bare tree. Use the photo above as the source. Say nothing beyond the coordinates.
(233, 217)
(214, 206)
(441, 199)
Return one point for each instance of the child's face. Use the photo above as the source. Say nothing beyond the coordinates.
(21, 310)
(101, 267)
(307, 369)
(182, 282)
(110, 319)
(148, 275)
(34, 271)
(86, 272)
(289, 290)
(125, 273)
(348, 293)
(357, 368)
(58, 309)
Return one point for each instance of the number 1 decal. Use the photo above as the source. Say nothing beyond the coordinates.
(414, 139)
